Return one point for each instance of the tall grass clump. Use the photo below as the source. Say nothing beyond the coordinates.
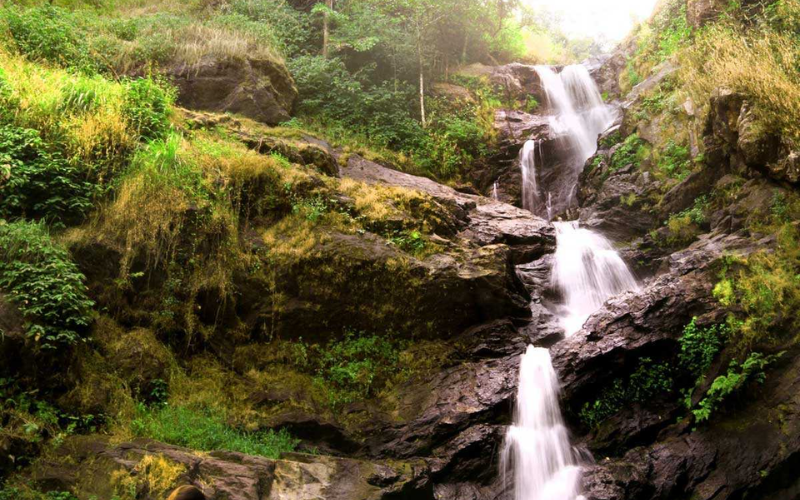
(761, 63)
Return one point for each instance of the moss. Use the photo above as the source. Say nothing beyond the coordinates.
(154, 475)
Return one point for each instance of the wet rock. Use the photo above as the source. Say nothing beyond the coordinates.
(744, 454)
(261, 89)
(528, 236)
(644, 322)
(436, 297)
(483, 221)
(451, 402)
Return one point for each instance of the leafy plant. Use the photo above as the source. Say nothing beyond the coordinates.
(148, 106)
(751, 370)
(49, 33)
(646, 382)
(675, 161)
(631, 152)
(37, 182)
(46, 286)
(700, 346)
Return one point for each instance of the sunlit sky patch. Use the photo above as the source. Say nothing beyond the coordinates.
(611, 19)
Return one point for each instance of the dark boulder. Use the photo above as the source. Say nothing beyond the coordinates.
(261, 89)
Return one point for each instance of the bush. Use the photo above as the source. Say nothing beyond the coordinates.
(206, 430)
(329, 91)
(675, 161)
(46, 286)
(649, 380)
(50, 34)
(148, 106)
(700, 346)
(764, 289)
(632, 151)
(737, 377)
(38, 183)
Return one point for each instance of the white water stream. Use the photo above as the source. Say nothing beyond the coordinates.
(577, 114)
(537, 455)
(537, 450)
(588, 271)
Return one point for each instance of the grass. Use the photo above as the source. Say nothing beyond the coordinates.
(206, 430)
(133, 37)
(760, 63)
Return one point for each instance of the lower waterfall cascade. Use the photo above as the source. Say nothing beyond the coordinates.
(537, 461)
(537, 450)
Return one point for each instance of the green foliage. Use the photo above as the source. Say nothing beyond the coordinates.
(47, 287)
(649, 380)
(50, 34)
(15, 493)
(610, 141)
(675, 161)
(290, 30)
(700, 346)
(737, 377)
(37, 182)
(764, 288)
(148, 106)
(685, 226)
(632, 151)
(351, 368)
(409, 241)
(206, 430)
(381, 112)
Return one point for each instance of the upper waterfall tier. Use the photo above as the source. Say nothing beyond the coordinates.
(577, 116)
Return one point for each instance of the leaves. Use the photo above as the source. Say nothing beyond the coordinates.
(45, 284)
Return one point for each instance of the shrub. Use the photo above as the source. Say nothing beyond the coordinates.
(51, 34)
(649, 380)
(148, 106)
(39, 277)
(632, 151)
(737, 377)
(37, 183)
(700, 346)
(206, 430)
(355, 366)
(674, 161)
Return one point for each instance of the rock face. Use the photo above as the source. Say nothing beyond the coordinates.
(223, 475)
(260, 89)
(482, 221)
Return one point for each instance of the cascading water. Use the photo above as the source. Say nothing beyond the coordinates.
(495, 195)
(537, 450)
(578, 115)
(527, 161)
(587, 271)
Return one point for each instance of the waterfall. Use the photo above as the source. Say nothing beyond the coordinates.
(587, 271)
(495, 196)
(537, 450)
(577, 114)
(527, 162)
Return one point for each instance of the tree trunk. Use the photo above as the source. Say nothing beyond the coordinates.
(326, 29)
(421, 81)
